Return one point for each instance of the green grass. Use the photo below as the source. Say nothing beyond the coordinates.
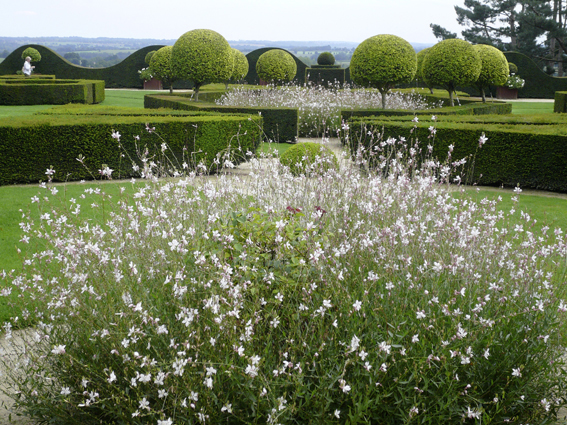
(532, 107)
(17, 200)
(269, 148)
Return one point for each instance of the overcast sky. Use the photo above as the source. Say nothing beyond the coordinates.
(275, 20)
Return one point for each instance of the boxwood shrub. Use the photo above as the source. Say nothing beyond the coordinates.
(521, 150)
(31, 91)
(280, 124)
(560, 104)
(30, 146)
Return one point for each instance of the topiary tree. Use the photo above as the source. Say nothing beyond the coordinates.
(419, 74)
(32, 53)
(240, 66)
(309, 159)
(148, 57)
(495, 68)
(202, 56)
(160, 66)
(325, 59)
(276, 66)
(383, 61)
(451, 63)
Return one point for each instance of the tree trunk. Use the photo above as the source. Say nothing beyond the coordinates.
(483, 95)
(383, 93)
(197, 86)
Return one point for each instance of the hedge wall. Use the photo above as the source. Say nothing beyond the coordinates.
(532, 154)
(29, 146)
(30, 91)
(252, 76)
(472, 108)
(123, 74)
(560, 104)
(538, 83)
(279, 124)
(322, 75)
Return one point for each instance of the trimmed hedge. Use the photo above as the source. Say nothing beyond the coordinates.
(122, 75)
(538, 83)
(279, 124)
(252, 76)
(470, 108)
(560, 104)
(324, 74)
(517, 151)
(29, 146)
(23, 77)
(31, 91)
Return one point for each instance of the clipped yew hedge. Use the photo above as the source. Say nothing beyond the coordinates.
(560, 104)
(279, 124)
(123, 74)
(521, 150)
(471, 108)
(323, 74)
(32, 91)
(538, 83)
(30, 146)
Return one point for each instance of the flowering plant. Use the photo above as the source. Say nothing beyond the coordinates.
(145, 74)
(514, 82)
(367, 297)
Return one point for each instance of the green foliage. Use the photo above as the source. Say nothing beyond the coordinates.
(528, 151)
(160, 66)
(512, 68)
(383, 61)
(30, 146)
(276, 66)
(32, 53)
(495, 68)
(148, 57)
(125, 74)
(325, 75)
(326, 58)
(420, 56)
(538, 84)
(252, 76)
(560, 104)
(309, 159)
(279, 124)
(240, 68)
(202, 56)
(33, 91)
(452, 63)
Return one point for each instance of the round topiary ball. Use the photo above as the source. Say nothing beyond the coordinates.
(160, 65)
(240, 69)
(513, 68)
(202, 56)
(326, 58)
(148, 57)
(452, 63)
(383, 61)
(32, 53)
(420, 57)
(309, 159)
(495, 68)
(276, 66)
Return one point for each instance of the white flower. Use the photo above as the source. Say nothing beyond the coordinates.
(227, 408)
(354, 343)
(327, 304)
(517, 372)
(415, 338)
(112, 377)
(58, 349)
(357, 305)
(420, 314)
(166, 422)
(65, 391)
(337, 414)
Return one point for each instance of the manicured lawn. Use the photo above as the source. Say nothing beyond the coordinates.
(126, 98)
(532, 107)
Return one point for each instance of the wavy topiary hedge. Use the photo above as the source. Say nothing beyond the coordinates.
(520, 150)
(31, 91)
(122, 75)
(279, 124)
(538, 83)
(29, 146)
